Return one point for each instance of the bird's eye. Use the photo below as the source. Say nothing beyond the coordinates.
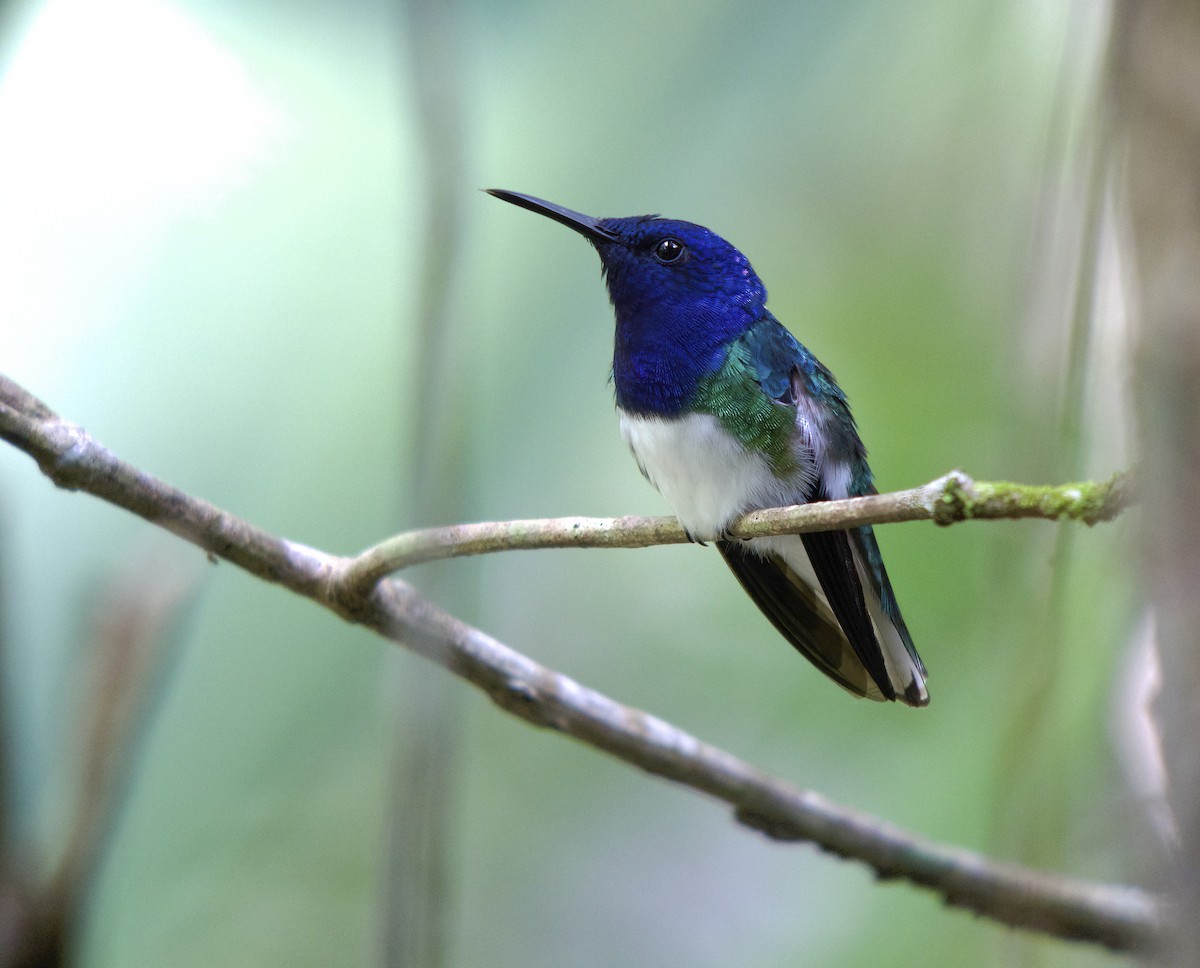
(668, 251)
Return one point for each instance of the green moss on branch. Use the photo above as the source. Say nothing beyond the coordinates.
(1090, 502)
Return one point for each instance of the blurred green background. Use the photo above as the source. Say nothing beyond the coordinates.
(244, 246)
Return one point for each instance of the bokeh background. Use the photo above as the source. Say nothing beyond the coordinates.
(244, 246)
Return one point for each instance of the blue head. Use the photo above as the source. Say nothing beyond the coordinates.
(681, 294)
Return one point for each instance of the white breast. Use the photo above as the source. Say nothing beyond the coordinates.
(705, 473)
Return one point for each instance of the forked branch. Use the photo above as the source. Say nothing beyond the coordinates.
(1121, 918)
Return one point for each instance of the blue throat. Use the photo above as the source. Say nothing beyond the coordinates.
(673, 329)
(657, 365)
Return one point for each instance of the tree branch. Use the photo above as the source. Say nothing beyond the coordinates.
(949, 499)
(1120, 918)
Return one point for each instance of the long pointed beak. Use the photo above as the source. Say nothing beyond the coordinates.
(583, 224)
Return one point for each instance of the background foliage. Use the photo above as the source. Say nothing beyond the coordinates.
(221, 226)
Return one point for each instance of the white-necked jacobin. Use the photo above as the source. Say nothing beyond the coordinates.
(726, 412)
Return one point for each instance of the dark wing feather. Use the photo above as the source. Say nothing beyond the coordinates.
(803, 618)
(868, 549)
(839, 638)
(833, 561)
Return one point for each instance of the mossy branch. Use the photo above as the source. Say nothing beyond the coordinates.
(949, 499)
(1121, 918)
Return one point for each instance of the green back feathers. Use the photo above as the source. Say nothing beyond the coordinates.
(736, 397)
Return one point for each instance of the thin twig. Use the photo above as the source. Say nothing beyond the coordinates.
(947, 500)
(1121, 918)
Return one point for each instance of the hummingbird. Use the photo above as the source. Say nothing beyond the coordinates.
(726, 412)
